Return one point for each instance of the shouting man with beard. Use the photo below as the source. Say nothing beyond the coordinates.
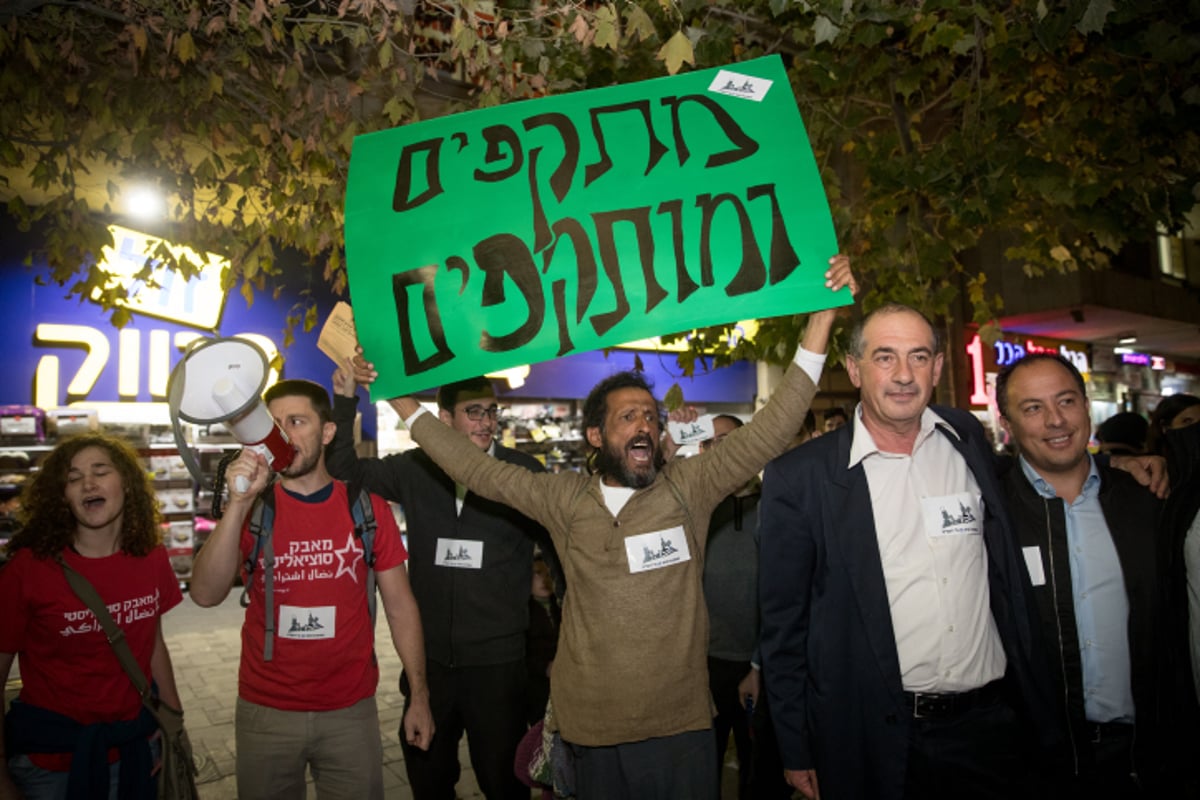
(629, 687)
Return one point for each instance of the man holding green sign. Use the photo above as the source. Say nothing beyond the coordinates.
(629, 686)
(518, 234)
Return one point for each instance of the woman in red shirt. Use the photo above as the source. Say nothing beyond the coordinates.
(78, 728)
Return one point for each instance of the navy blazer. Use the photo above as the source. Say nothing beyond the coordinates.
(830, 663)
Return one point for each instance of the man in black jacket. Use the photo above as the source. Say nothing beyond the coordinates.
(1088, 534)
(471, 566)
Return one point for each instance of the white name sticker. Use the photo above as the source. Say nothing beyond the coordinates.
(958, 514)
(1033, 563)
(735, 84)
(459, 553)
(692, 432)
(318, 622)
(657, 549)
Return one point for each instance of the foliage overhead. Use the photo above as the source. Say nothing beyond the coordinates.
(1067, 127)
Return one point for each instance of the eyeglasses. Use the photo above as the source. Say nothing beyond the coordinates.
(476, 413)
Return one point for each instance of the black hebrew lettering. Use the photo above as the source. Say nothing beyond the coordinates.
(752, 273)
(744, 146)
(459, 265)
(423, 277)
(541, 229)
(640, 218)
(403, 200)
(683, 279)
(461, 138)
(589, 277)
(495, 136)
(564, 173)
(560, 179)
(657, 148)
(783, 256)
(505, 254)
(559, 291)
(585, 263)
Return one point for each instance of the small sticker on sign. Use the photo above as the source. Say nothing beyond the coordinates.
(735, 84)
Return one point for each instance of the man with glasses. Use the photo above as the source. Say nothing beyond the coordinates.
(471, 566)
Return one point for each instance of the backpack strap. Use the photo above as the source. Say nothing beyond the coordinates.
(262, 519)
(363, 514)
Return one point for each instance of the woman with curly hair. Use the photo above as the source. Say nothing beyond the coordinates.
(78, 728)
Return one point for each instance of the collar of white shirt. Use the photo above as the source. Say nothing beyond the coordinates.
(863, 444)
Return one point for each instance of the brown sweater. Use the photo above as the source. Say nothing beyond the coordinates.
(631, 659)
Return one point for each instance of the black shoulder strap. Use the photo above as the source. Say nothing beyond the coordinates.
(363, 514)
(262, 520)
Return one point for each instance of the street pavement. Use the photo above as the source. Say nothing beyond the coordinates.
(205, 647)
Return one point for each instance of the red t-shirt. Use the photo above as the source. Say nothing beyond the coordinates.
(324, 653)
(67, 665)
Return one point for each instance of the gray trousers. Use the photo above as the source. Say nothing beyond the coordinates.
(666, 768)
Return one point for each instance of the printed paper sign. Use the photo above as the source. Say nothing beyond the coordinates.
(735, 84)
(692, 432)
(521, 233)
(318, 622)
(338, 337)
(656, 550)
(459, 553)
(957, 514)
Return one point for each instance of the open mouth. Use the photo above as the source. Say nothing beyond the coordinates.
(92, 503)
(641, 450)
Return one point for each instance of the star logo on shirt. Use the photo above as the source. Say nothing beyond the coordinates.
(348, 557)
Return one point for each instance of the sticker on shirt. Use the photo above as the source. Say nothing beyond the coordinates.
(318, 622)
(953, 515)
(657, 549)
(734, 84)
(1033, 563)
(461, 553)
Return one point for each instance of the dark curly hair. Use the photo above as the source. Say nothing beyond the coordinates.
(47, 523)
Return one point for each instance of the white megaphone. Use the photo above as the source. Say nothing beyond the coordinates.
(222, 380)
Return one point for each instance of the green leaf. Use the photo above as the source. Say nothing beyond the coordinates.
(676, 51)
(1094, 17)
(638, 25)
(824, 30)
(606, 27)
(673, 399)
(185, 48)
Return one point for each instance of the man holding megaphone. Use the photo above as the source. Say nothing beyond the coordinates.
(308, 675)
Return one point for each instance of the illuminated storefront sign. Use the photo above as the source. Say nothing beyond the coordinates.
(1010, 350)
(1144, 360)
(97, 346)
(196, 302)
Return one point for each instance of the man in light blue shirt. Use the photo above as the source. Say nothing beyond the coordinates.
(1088, 536)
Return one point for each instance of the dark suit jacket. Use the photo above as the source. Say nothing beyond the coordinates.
(829, 651)
(470, 617)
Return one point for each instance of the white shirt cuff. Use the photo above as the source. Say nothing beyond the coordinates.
(408, 421)
(812, 363)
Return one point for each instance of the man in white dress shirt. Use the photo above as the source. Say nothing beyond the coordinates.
(897, 636)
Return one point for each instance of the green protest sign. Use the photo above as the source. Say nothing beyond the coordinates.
(521, 233)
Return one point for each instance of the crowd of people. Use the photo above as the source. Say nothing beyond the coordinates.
(876, 606)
